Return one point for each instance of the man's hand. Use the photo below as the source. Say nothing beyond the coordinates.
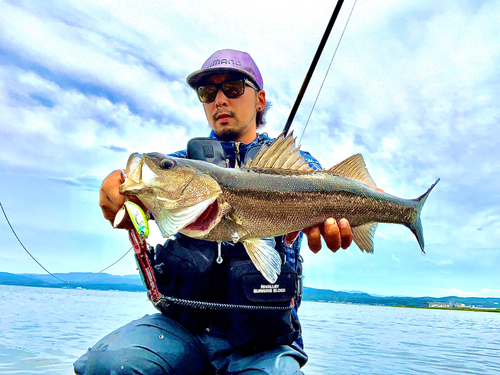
(111, 200)
(336, 235)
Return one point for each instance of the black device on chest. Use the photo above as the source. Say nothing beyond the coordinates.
(210, 149)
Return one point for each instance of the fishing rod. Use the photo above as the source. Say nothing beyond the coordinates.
(310, 72)
(326, 74)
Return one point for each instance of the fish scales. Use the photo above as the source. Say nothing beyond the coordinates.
(292, 204)
(275, 194)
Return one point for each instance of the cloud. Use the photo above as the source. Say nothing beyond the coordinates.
(115, 148)
(445, 262)
(413, 87)
(85, 182)
(75, 128)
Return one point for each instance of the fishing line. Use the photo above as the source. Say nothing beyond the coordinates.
(101, 271)
(327, 71)
(310, 72)
(45, 269)
(25, 249)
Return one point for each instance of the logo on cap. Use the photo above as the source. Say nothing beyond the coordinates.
(223, 61)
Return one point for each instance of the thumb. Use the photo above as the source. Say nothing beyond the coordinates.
(291, 237)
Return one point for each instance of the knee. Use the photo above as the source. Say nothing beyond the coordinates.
(100, 361)
(150, 345)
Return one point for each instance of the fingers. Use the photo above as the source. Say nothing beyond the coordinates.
(332, 235)
(336, 235)
(291, 237)
(313, 238)
(110, 199)
(345, 233)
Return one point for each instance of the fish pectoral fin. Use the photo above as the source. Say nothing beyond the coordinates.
(363, 236)
(172, 221)
(265, 258)
(233, 217)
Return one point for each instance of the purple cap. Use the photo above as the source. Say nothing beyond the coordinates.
(227, 61)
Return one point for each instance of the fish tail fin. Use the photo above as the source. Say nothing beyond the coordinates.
(416, 225)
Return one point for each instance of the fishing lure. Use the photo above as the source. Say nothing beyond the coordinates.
(138, 217)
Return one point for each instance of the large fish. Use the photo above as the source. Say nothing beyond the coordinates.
(275, 193)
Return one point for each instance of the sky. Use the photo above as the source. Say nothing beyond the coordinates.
(413, 87)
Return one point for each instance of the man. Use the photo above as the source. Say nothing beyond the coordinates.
(186, 340)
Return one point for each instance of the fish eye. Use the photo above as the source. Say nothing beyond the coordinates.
(167, 164)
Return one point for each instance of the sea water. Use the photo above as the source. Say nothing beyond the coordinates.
(44, 330)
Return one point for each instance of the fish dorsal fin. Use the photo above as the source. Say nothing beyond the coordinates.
(354, 167)
(281, 154)
(363, 236)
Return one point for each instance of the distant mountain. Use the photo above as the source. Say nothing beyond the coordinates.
(133, 283)
(87, 280)
(326, 295)
(87, 277)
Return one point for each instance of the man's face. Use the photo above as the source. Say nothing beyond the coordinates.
(234, 119)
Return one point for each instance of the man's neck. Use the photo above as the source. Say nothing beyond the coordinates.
(247, 138)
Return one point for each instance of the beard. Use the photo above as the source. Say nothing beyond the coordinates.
(227, 134)
(234, 129)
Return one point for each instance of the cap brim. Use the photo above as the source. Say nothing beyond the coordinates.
(194, 79)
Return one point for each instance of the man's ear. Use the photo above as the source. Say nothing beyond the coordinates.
(261, 99)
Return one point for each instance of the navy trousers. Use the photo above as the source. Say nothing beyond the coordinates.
(155, 344)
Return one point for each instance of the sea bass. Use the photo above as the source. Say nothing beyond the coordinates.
(275, 193)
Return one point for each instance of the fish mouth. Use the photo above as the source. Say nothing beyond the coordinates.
(205, 219)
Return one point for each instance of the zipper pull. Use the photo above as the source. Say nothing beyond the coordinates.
(219, 252)
(237, 160)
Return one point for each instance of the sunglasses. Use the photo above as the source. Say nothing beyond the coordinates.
(232, 89)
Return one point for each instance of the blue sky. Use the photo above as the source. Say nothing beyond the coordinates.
(414, 88)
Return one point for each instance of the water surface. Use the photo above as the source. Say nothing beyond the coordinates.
(45, 330)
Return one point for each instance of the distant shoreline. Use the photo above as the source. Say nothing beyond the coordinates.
(480, 309)
(133, 283)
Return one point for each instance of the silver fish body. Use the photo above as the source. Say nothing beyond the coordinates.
(275, 194)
